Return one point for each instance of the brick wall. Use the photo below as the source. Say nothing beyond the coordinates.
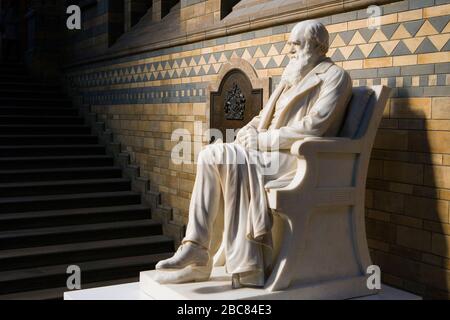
(144, 97)
(93, 38)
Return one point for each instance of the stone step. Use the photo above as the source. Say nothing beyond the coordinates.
(5, 77)
(76, 253)
(58, 174)
(68, 201)
(25, 163)
(38, 237)
(53, 150)
(30, 85)
(63, 200)
(55, 218)
(11, 140)
(92, 272)
(44, 129)
(28, 119)
(40, 188)
(34, 102)
(30, 111)
(54, 294)
(13, 68)
(19, 93)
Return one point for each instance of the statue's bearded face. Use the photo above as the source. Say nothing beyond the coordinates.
(300, 55)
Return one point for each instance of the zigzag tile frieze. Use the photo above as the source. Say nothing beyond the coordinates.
(357, 48)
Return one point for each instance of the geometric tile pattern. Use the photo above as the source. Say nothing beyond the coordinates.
(194, 92)
(420, 36)
(141, 82)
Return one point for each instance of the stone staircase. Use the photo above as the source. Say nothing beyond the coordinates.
(64, 199)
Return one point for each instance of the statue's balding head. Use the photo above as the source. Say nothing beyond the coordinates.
(312, 34)
(308, 45)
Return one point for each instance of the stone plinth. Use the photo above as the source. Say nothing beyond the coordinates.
(218, 288)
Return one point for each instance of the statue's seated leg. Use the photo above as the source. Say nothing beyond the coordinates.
(192, 261)
(221, 194)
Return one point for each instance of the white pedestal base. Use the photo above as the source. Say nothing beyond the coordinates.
(218, 288)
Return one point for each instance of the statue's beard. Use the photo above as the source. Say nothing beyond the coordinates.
(296, 68)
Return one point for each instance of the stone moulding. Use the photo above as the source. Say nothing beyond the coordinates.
(281, 15)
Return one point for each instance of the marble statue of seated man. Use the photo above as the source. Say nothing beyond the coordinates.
(229, 197)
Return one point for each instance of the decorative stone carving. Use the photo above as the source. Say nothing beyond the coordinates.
(235, 104)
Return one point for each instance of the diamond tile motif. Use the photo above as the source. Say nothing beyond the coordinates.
(234, 55)
(357, 39)
(446, 46)
(426, 47)
(400, 50)
(223, 58)
(337, 42)
(347, 36)
(347, 51)
(357, 54)
(265, 48)
(337, 56)
(378, 36)
(413, 43)
(239, 52)
(389, 29)
(413, 26)
(389, 46)
(278, 60)
(271, 64)
(377, 52)
(272, 51)
(367, 33)
(279, 46)
(259, 53)
(426, 29)
(395, 39)
(366, 49)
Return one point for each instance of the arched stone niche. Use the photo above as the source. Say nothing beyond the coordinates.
(236, 97)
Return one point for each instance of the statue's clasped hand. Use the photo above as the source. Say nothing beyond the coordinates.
(248, 138)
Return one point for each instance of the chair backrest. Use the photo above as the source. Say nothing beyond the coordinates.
(359, 109)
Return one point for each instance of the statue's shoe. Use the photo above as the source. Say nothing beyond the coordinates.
(190, 263)
(188, 254)
(187, 274)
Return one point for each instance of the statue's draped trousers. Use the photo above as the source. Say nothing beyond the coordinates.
(232, 187)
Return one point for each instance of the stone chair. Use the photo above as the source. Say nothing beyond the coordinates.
(319, 231)
(320, 246)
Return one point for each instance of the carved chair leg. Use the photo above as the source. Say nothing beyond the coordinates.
(285, 266)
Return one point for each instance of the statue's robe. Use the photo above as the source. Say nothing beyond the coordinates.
(229, 195)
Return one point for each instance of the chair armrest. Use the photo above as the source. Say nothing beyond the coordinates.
(310, 170)
(312, 145)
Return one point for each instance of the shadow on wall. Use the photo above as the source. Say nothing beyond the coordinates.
(406, 220)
